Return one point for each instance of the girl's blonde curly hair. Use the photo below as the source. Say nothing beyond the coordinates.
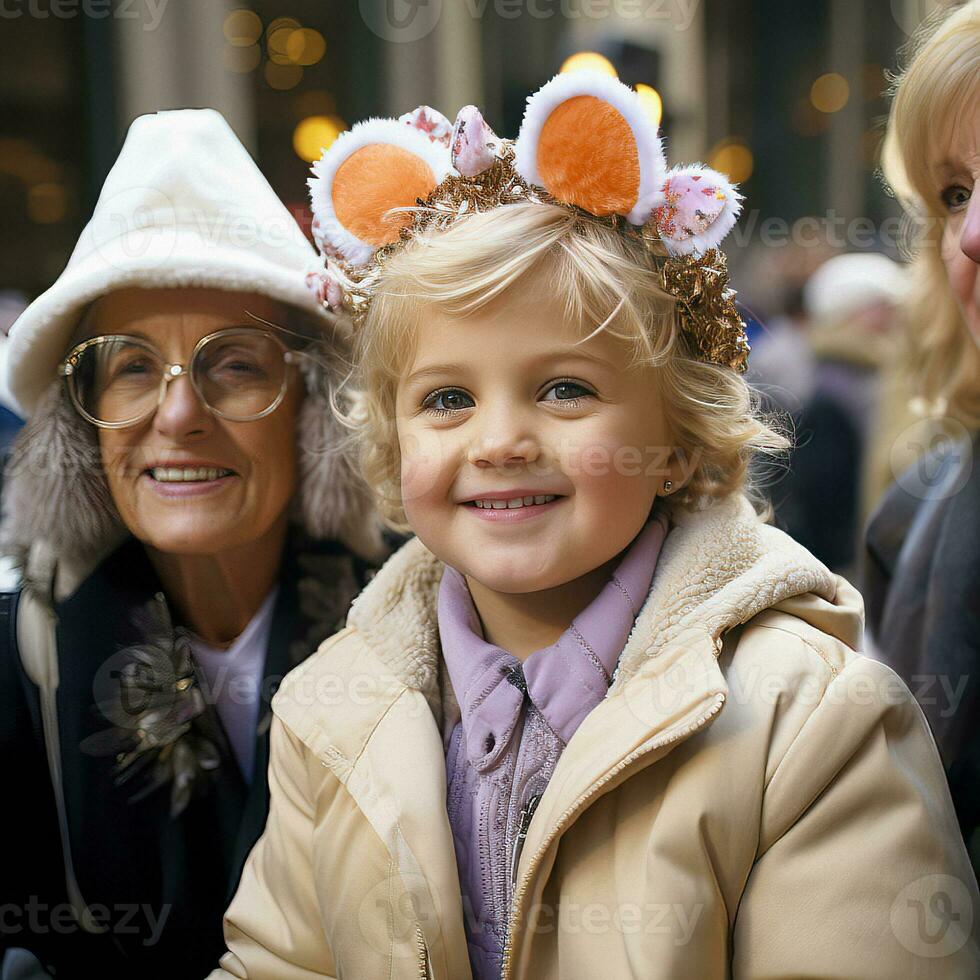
(606, 281)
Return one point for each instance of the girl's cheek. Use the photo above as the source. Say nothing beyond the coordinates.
(425, 466)
(607, 460)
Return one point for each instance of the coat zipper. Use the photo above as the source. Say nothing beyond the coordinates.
(559, 826)
(523, 823)
(423, 953)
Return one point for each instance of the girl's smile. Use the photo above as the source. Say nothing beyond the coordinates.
(513, 506)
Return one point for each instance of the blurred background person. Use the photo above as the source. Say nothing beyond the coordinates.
(922, 569)
(849, 327)
(782, 366)
(188, 532)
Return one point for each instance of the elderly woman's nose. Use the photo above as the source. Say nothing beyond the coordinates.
(182, 413)
(970, 237)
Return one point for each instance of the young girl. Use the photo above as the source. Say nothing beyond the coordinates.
(598, 718)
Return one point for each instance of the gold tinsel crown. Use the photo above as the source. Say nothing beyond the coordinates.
(385, 181)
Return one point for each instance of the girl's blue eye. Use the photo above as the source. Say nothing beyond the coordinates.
(447, 400)
(566, 391)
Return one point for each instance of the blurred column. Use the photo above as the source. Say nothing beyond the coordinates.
(677, 33)
(175, 61)
(460, 71)
(845, 174)
(442, 69)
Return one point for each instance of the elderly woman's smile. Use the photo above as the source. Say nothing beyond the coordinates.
(187, 479)
(184, 478)
(189, 473)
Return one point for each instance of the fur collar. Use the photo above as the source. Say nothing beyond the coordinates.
(718, 568)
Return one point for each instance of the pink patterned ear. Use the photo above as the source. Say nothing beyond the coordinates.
(700, 208)
(326, 289)
(430, 122)
(474, 145)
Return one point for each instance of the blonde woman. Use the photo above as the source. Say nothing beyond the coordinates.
(922, 575)
(599, 719)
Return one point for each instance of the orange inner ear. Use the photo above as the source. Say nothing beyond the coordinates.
(587, 156)
(373, 179)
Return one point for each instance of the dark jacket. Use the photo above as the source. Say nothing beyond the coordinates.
(158, 882)
(921, 585)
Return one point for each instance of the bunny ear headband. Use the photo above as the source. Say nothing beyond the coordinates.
(586, 143)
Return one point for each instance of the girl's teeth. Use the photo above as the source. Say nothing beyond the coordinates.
(516, 502)
(199, 474)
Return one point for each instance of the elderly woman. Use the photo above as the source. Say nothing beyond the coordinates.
(922, 581)
(188, 532)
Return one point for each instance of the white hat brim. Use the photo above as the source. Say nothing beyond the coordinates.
(174, 257)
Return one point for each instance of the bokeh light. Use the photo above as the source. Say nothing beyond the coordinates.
(732, 157)
(282, 77)
(589, 61)
(279, 22)
(242, 28)
(830, 92)
(305, 46)
(276, 43)
(314, 134)
(653, 104)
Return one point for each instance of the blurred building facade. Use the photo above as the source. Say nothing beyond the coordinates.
(787, 98)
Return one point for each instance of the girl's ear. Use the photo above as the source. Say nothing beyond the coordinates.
(700, 208)
(588, 140)
(377, 165)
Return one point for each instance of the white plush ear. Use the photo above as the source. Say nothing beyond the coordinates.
(376, 165)
(700, 208)
(588, 140)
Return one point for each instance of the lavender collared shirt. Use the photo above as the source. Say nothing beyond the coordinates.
(516, 720)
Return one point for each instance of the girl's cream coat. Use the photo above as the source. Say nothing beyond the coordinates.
(754, 798)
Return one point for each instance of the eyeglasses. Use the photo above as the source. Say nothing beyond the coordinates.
(240, 374)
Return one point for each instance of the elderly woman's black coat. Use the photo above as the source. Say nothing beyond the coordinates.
(159, 882)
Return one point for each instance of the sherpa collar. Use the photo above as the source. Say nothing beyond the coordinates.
(719, 567)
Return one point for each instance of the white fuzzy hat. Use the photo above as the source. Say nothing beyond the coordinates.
(846, 284)
(184, 205)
